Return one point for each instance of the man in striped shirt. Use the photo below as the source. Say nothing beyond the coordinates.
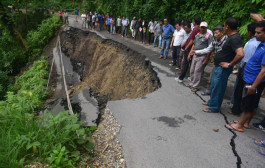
(215, 46)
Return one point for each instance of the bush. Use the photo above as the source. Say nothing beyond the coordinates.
(37, 39)
(25, 137)
(4, 81)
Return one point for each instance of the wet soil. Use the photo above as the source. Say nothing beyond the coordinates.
(98, 70)
(107, 67)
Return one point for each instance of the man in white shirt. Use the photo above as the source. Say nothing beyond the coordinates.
(83, 16)
(176, 42)
(125, 23)
(119, 25)
(151, 27)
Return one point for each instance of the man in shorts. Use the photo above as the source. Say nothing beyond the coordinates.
(254, 83)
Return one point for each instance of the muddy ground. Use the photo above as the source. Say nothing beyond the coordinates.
(107, 67)
(108, 70)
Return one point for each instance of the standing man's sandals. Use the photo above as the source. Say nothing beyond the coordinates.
(205, 94)
(194, 90)
(229, 126)
(259, 142)
(206, 110)
(247, 127)
(262, 151)
(188, 85)
(205, 103)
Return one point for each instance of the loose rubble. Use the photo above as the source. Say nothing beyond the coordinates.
(108, 149)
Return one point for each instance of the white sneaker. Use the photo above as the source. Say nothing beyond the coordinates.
(178, 80)
(189, 78)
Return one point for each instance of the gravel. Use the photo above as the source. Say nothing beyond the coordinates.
(108, 149)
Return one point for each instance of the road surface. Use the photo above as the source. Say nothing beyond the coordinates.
(167, 128)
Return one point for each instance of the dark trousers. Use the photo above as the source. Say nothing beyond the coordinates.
(185, 66)
(143, 36)
(175, 55)
(237, 95)
(66, 21)
(124, 31)
(151, 37)
(218, 86)
(108, 27)
(136, 33)
(263, 122)
(118, 29)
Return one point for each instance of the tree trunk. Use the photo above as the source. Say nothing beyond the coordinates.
(12, 28)
(26, 5)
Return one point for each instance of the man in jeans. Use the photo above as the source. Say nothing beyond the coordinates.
(202, 40)
(224, 60)
(176, 42)
(167, 30)
(188, 44)
(158, 34)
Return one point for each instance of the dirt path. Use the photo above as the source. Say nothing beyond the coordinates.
(167, 128)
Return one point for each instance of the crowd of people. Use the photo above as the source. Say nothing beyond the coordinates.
(192, 45)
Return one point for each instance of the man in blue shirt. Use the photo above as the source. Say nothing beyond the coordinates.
(249, 51)
(167, 30)
(108, 23)
(99, 22)
(76, 14)
(254, 75)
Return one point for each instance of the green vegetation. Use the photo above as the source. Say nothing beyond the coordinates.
(13, 59)
(25, 137)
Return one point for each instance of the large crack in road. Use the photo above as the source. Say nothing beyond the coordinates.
(232, 142)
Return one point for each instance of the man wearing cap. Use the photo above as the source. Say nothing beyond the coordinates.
(133, 26)
(202, 40)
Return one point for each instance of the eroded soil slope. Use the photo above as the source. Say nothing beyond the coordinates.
(108, 67)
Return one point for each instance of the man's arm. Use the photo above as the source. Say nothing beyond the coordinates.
(172, 42)
(205, 62)
(238, 57)
(207, 50)
(256, 17)
(189, 45)
(259, 79)
(189, 56)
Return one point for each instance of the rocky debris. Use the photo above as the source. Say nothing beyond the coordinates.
(108, 149)
(216, 129)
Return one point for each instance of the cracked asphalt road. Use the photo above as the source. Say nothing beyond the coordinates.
(167, 128)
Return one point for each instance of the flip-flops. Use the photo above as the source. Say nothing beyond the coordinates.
(259, 140)
(194, 90)
(205, 103)
(188, 85)
(206, 110)
(205, 94)
(234, 129)
(261, 152)
(236, 121)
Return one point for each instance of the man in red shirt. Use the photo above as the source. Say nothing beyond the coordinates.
(188, 45)
(61, 14)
